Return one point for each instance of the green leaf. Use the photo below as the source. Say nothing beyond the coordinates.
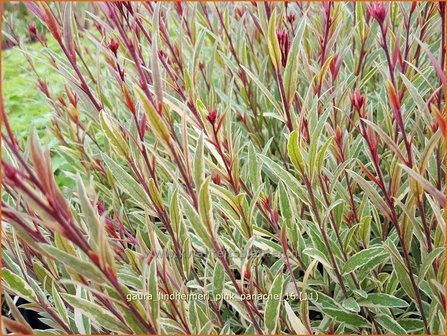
(272, 42)
(18, 285)
(155, 194)
(218, 279)
(174, 212)
(155, 64)
(199, 163)
(295, 152)
(153, 290)
(428, 262)
(266, 92)
(112, 134)
(345, 317)
(351, 305)
(390, 324)
(372, 193)
(284, 202)
(272, 306)
(361, 258)
(205, 206)
(292, 66)
(253, 167)
(382, 300)
(74, 263)
(126, 182)
(289, 180)
(318, 255)
(90, 216)
(385, 137)
(400, 269)
(95, 313)
(314, 142)
(59, 304)
(437, 194)
(196, 222)
(155, 120)
(297, 326)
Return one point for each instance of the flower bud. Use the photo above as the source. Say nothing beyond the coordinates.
(358, 101)
(32, 29)
(113, 46)
(378, 12)
(212, 116)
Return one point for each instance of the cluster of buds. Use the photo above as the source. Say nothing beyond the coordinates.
(43, 87)
(358, 102)
(216, 179)
(378, 11)
(212, 116)
(239, 12)
(373, 143)
(72, 97)
(32, 28)
(113, 46)
(273, 212)
(291, 18)
(335, 65)
(284, 44)
(100, 28)
(338, 136)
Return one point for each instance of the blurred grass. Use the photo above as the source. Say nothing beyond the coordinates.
(25, 105)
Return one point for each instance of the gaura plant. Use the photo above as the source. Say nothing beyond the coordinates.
(230, 168)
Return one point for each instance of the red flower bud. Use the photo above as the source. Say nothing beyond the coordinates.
(357, 100)
(43, 87)
(212, 116)
(216, 179)
(334, 65)
(239, 12)
(32, 29)
(9, 171)
(113, 46)
(247, 273)
(275, 216)
(100, 207)
(265, 202)
(378, 12)
(284, 45)
(291, 17)
(61, 100)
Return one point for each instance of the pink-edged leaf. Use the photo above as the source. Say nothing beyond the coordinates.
(433, 61)
(437, 194)
(68, 31)
(31, 6)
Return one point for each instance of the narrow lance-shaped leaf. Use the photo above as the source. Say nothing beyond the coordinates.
(291, 70)
(372, 193)
(18, 285)
(272, 42)
(95, 313)
(205, 206)
(155, 64)
(156, 122)
(273, 304)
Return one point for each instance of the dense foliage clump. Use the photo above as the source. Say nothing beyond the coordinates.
(248, 168)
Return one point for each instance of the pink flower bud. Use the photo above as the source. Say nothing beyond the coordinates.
(378, 11)
(113, 46)
(212, 116)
